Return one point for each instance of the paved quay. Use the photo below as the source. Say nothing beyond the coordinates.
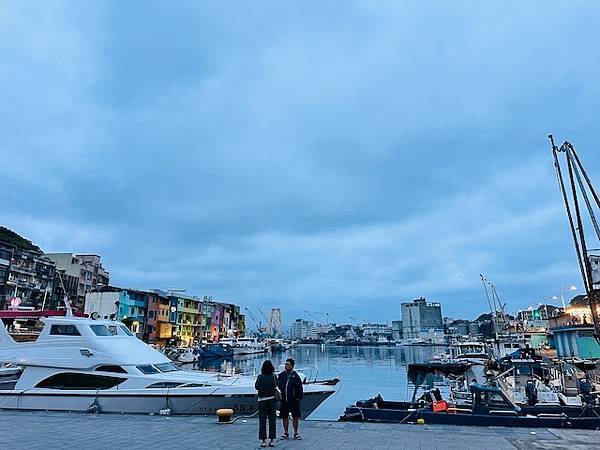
(40, 430)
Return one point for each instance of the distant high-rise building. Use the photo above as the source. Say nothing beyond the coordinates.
(302, 329)
(421, 318)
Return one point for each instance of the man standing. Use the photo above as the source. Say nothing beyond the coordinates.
(290, 385)
(585, 387)
(531, 393)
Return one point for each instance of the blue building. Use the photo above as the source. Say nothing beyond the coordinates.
(132, 309)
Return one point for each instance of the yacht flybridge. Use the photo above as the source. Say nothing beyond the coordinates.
(80, 364)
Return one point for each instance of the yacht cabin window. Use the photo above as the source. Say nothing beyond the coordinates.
(111, 368)
(64, 330)
(164, 384)
(79, 381)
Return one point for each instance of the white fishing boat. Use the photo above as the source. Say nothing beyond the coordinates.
(80, 364)
(246, 345)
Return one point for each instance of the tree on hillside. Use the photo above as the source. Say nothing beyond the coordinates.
(12, 238)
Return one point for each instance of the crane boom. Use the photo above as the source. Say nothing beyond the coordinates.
(257, 323)
(589, 264)
(262, 314)
(312, 314)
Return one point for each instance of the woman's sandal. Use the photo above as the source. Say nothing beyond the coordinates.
(297, 437)
(285, 436)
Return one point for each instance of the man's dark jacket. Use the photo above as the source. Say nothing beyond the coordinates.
(290, 387)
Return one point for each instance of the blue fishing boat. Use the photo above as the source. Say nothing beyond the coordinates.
(218, 350)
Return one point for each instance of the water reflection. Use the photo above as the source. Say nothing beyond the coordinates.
(364, 371)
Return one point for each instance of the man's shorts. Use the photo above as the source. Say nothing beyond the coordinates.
(290, 407)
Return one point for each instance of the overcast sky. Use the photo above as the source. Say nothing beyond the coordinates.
(338, 157)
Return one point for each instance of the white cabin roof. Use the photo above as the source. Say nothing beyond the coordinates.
(73, 350)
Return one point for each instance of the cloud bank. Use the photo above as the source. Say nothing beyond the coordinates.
(334, 157)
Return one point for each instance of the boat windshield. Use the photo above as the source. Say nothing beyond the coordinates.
(125, 330)
(492, 399)
(148, 369)
(101, 330)
(119, 330)
(167, 367)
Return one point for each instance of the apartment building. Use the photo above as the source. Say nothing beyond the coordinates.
(26, 277)
(87, 269)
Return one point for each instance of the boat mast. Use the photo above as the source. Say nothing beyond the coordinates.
(502, 311)
(492, 309)
(570, 197)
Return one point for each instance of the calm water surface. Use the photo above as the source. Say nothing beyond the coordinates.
(364, 371)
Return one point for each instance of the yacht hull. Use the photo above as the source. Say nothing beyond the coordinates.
(243, 351)
(142, 402)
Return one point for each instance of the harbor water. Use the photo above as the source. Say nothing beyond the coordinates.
(364, 371)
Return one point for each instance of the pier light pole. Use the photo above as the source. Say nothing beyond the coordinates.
(562, 291)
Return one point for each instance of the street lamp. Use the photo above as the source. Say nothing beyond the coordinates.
(562, 291)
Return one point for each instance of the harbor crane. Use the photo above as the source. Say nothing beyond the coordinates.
(356, 321)
(262, 314)
(313, 315)
(257, 323)
(579, 188)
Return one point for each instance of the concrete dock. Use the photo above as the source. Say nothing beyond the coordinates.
(40, 430)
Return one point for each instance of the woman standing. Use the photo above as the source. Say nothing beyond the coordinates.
(266, 385)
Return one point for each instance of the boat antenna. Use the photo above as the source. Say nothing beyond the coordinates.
(570, 196)
(68, 309)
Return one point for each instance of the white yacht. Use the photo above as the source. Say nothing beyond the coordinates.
(246, 345)
(80, 364)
